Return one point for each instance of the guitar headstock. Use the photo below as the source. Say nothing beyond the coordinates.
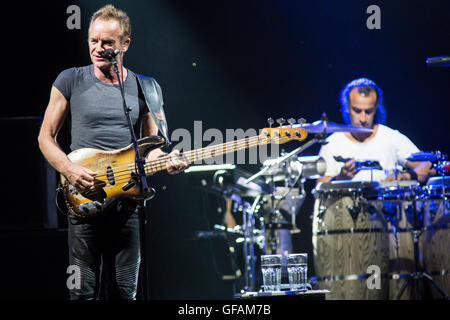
(284, 134)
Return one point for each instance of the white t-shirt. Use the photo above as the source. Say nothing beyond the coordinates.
(389, 147)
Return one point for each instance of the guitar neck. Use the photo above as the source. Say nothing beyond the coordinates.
(268, 135)
(159, 164)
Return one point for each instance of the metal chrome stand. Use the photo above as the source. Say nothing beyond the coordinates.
(418, 276)
(142, 180)
(250, 238)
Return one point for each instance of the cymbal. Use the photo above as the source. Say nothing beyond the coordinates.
(329, 127)
(251, 189)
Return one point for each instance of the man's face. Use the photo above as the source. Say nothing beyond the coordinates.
(362, 108)
(104, 34)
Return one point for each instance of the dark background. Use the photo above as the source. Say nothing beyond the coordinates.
(230, 64)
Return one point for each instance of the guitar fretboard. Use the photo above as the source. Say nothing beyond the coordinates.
(208, 152)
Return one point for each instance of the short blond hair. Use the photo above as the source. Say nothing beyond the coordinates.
(109, 12)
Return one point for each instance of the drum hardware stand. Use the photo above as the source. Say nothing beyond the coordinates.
(321, 210)
(302, 195)
(274, 213)
(440, 170)
(319, 137)
(355, 209)
(417, 276)
(237, 273)
(289, 186)
(397, 171)
(249, 259)
(249, 241)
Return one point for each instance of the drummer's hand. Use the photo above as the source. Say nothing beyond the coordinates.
(348, 171)
(400, 177)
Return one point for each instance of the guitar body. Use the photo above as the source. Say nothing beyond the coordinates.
(115, 178)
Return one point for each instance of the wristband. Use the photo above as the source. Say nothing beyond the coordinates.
(412, 173)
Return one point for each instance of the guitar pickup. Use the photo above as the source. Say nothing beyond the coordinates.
(110, 176)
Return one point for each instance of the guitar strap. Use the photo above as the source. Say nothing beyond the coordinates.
(154, 100)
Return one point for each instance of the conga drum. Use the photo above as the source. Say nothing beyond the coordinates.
(350, 237)
(397, 207)
(436, 237)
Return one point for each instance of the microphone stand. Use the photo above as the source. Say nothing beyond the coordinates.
(141, 178)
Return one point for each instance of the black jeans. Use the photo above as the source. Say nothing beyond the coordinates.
(106, 249)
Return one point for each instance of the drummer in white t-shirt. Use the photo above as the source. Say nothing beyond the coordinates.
(362, 106)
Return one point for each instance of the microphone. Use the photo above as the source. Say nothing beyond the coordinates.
(443, 61)
(110, 53)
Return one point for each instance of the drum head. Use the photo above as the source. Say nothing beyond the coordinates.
(435, 186)
(397, 189)
(347, 187)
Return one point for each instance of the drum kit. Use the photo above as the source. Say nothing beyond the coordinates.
(261, 215)
(401, 228)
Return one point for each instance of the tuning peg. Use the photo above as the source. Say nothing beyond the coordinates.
(301, 121)
(281, 121)
(291, 121)
(271, 122)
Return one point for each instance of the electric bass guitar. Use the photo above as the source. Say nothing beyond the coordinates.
(117, 175)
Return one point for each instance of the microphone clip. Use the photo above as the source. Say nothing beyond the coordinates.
(110, 54)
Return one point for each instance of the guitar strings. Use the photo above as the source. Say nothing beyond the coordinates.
(160, 161)
(159, 164)
(126, 174)
(163, 160)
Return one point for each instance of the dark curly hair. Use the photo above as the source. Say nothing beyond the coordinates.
(364, 86)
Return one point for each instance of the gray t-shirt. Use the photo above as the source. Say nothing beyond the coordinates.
(97, 116)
